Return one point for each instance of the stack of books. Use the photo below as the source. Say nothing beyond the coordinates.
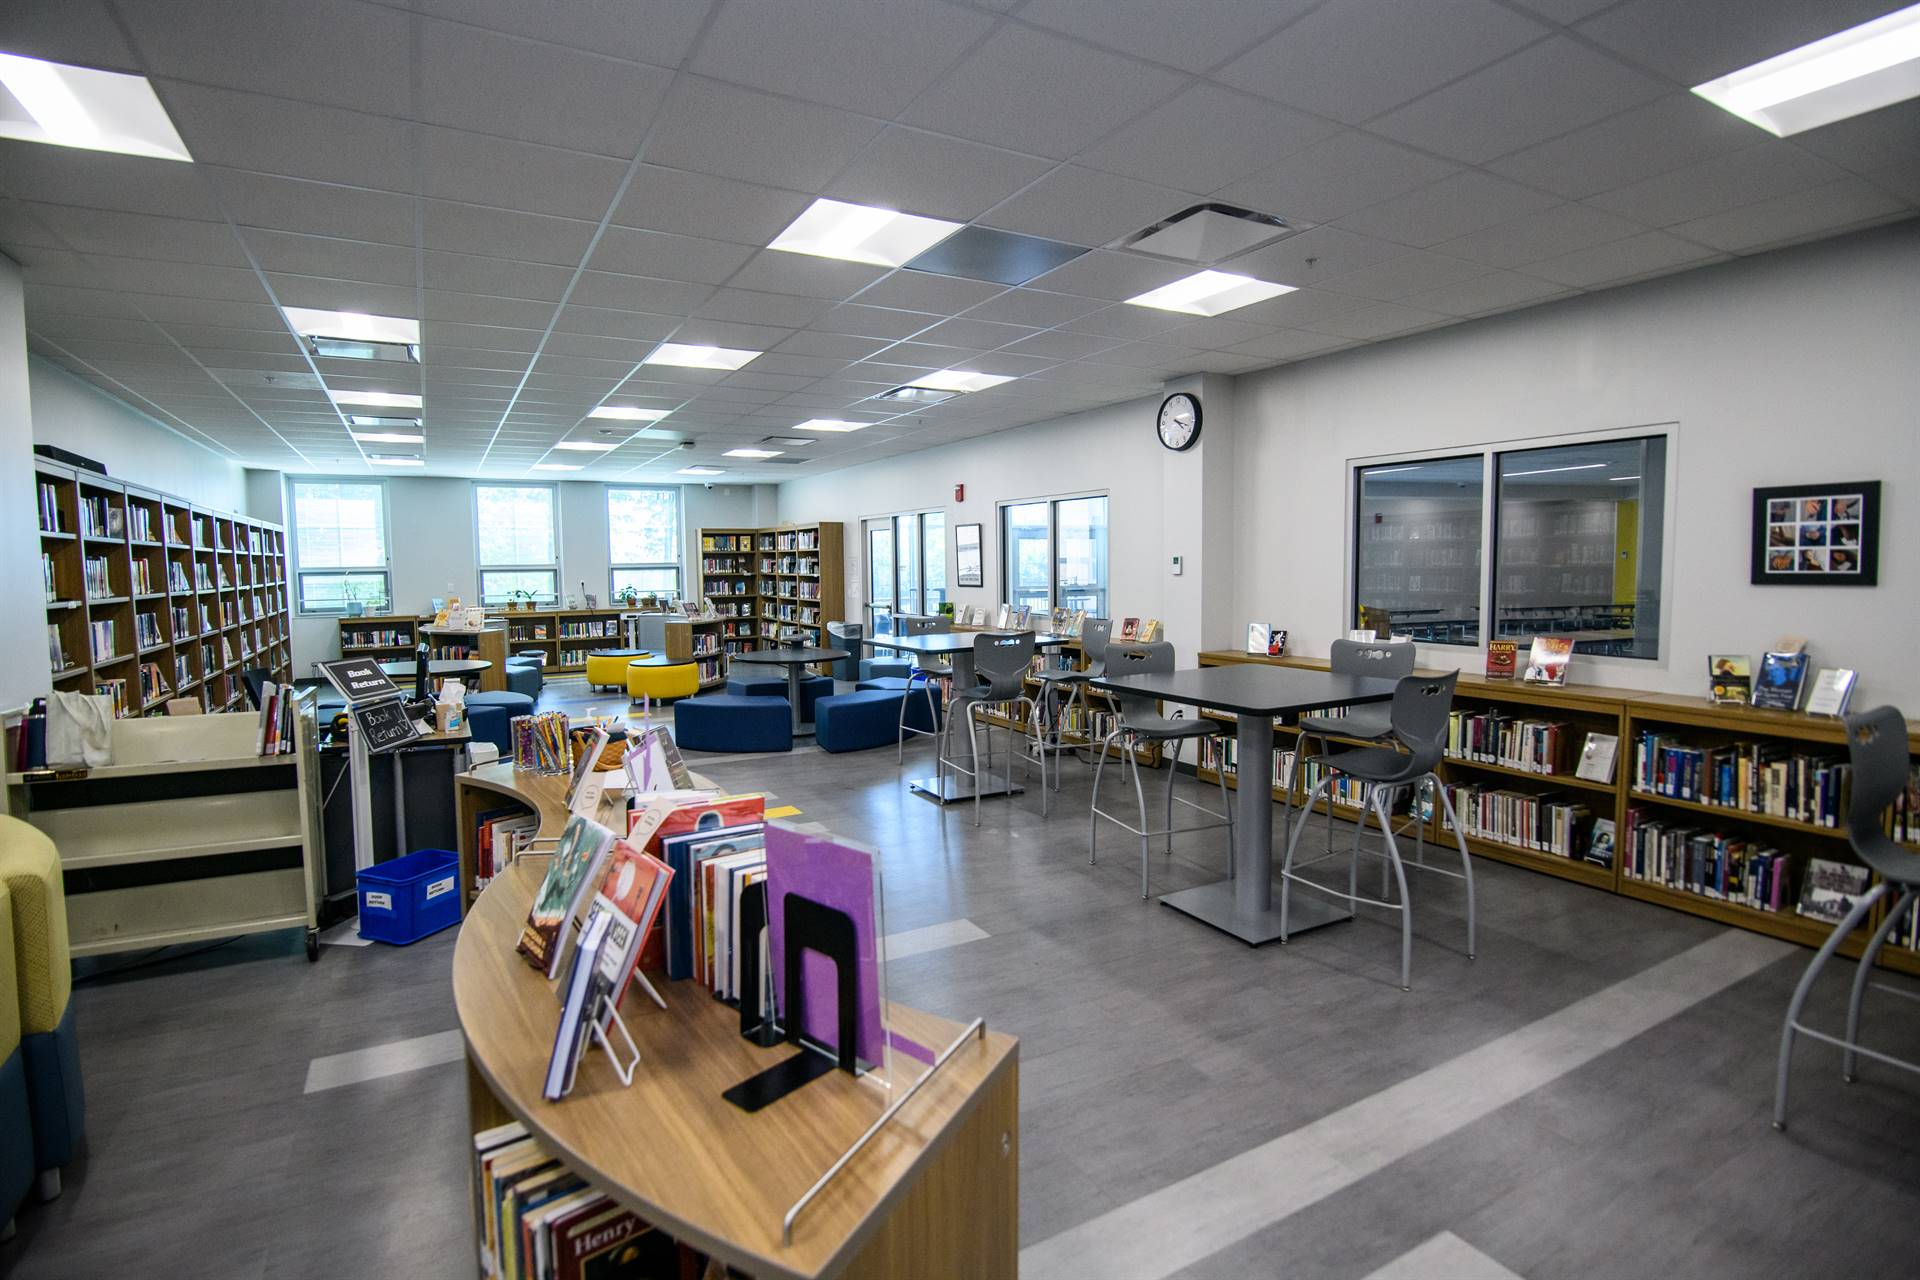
(1712, 864)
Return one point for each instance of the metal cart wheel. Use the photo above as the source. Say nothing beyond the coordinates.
(313, 945)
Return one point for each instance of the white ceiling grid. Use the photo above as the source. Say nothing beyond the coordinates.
(554, 186)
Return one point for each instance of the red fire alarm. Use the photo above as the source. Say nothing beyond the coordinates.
(959, 493)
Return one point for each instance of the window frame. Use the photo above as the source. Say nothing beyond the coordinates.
(481, 568)
(677, 565)
(889, 523)
(1052, 502)
(302, 572)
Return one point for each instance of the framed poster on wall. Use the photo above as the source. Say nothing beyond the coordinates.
(1817, 535)
(966, 554)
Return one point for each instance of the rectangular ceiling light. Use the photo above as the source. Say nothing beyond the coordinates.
(398, 462)
(861, 233)
(1209, 293)
(555, 466)
(71, 106)
(380, 423)
(698, 357)
(378, 399)
(962, 380)
(1863, 68)
(702, 471)
(917, 395)
(588, 446)
(388, 437)
(795, 442)
(830, 424)
(353, 326)
(752, 453)
(627, 413)
(357, 349)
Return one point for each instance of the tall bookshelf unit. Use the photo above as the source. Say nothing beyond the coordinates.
(1627, 714)
(153, 597)
(764, 581)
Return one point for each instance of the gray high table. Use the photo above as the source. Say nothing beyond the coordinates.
(793, 660)
(1256, 693)
(957, 646)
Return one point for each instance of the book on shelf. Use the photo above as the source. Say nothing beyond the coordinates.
(56, 648)
(1493, 737)
(1831, 889)
(1129, 630)
(1730, 678)
(1778, 682)
(1546, 822)
(577, 858)
(1597, 757)
(586, 984)
(1600, 849)
(153, 683)
(1831, 692)
(1149, 630)
(115, 691)
(1547, 660)
(1257, 633)
(684, 844)
(1711, 864)
(1761, 776)
(630, 893)
(50, 518)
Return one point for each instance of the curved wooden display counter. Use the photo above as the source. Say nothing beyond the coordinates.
(934, 1194)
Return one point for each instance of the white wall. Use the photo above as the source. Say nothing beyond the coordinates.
(133, 447)
(1794, 366)
(25, 672)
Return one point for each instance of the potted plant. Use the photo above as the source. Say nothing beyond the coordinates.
(946, 610)
(630, 598)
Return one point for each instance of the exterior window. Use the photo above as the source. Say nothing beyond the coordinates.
(340, 545)
(643, 541)
(907, 563)
(1056, 554)
(514, 529)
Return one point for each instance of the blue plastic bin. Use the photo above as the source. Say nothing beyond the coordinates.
(410, 897)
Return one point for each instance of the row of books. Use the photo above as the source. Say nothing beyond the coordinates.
(56, 648)
(46, 574)
(100, 518)
(808, 615)
(142, 573)
(799, 540)
(153, 685)
(729, 609)
(708, 669)
(1755, 777)
(500, 836)
(51, 520)
(274, 734)
(115, 691)
(102, 636)
(99, 578)
(140, 520)
(1782, 683)
(146, 631)
(386, 637)
(1490, 737)
(728, 542)
(790, 566)
(1710, 863)
(725, 564)
(1549, 822)
(594, 628)
(177, 581)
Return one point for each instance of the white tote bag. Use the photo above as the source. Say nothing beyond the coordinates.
(79, 729)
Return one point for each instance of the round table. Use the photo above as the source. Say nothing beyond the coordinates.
(462, 667)
(793, 659)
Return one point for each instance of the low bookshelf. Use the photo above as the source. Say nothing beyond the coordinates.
(1630, 716)
(385, 637)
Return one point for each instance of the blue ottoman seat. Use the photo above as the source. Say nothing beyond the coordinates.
(733, 722)
(865, 718)
(896, 684)
(490, 714)
(881, 668)
(812, 688)
(523, 676)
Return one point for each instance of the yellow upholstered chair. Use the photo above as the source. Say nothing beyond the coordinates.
(16, 1129)
(661, 679)
(43, 980)
(608, 668)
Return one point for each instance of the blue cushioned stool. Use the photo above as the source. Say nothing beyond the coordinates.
(523, 676)
(489, 714)
(733, 722)
(897, 684)
(812, 688)
(865, 718)
(880, 668)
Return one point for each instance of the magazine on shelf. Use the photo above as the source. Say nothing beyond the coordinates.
(1831, 888)
(1596, 758)
(1730, 678)
(1831, 692)
(1257, 633)
(1547, 662)
(1781, 675)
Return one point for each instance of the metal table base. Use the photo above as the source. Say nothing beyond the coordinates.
(958, 788)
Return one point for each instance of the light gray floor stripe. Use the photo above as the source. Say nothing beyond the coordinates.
(1445, 1257)
(934, 937)
(391, 1059)
(1179, 1225)
(345, 934)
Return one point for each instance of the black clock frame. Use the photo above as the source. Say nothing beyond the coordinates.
(1198, 417)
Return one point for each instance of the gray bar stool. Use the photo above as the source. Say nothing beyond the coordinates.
(1048, 716)
(1877, 750)
(1418, 723)
(926, 670)
(1372, 721)
(1000, 660)
(1138, 721)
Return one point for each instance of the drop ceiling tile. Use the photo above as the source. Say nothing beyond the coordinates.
(1034, 308)
(1877, 140)
(474, 308)
(480, 358)
(1124, 323)
(1838, 206)
(1216, 333)
(1204, 138)
(870, 56)
(762, 308)
(1291, 344)
(504, 173)
(930, 355)
(20, 226)
(1564, 85)
(981, 335)
(736, 133)
(638, 293)
(1902, 180)
(313, 208)
(1494, 291)
(504, 233)
(1351, 60)
(809, 366)
(1335, 177)
(1704, 39)
(1013, 364)
(485, 82)
(501, 277)
(1166, 33)
(1312, 256)
(1221, 362)
(1376, 320)
(271, 135)
(699, 204)
(1061, 344)
(855, 320)
(134, 235)
(626, 350)
(1771, 168)
(604, 323)
(830, 346)
(925, 291)
(1108, 274)
(729, 333)
(447, 337)
(1086, 206)
(1448, 209)
(1546, 234)
(102, 180)
(611, 370)
(179, 279)
(210, 311)
(287, 253)
(655, 31)
(934, 176)
(344, 295)
(1301, 307)
(83, 32)
(1158, 356)
(338, 52)
(1057, 97)
(667, 257)
(1665, 134)
(1621, 260)
(60, 326)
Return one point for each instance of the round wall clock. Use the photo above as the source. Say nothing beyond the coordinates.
(1179, 421)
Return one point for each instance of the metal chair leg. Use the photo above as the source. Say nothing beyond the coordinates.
(973, 743)
(1140, 795)
(1820, 958)
(1226, 807)
(1382, 798)
(1093, 808)
(1848, 1058)
(1286, 863)
(1173, 771)
(1466, 863)
(1039, 728)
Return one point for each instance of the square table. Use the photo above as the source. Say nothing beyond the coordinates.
(793, 659)
(1256, 693)
(957, 646)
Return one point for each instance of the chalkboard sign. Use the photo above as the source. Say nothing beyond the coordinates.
(359, 680)
(383, 726)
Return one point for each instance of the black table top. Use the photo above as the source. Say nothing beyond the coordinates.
(1253, 688)
(954, 641)
(783, 657)
(437, 666)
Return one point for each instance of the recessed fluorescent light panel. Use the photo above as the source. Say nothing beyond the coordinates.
(355, 349)
(389, 437)
(587, 446)
(962, 380)
(380, 423)
(703, 471)
(752, 453)
(398, 462)
(861, 233)
(916, 395)
(378, 399)
(835, 424)
(70, 106)
(1209, 293)
(555, 466)
(795, 442)
(697, 357)
(1863, 68)
(627, 413)
(353, 325)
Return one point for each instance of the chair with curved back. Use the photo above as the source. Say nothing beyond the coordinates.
(1139, 722)
(1417, 719)
(1049, 718)
(1001, 661)
(1370, 721)
(1877, 752)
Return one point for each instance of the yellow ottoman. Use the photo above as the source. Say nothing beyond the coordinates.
(43, 970)
(16, 1125)
(661, 679)
(607, 668)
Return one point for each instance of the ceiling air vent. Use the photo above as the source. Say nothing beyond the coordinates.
(1210, 233)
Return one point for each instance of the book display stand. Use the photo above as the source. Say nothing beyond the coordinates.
(606, 1015)
(826, 932)
(377, 721)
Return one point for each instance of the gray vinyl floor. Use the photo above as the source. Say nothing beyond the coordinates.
(1588, 1098)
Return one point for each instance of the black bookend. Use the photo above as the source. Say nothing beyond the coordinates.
(827, 932)
(756, 1023)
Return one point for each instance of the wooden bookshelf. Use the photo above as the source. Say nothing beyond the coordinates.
(1627, 713)
(197, 594)
(766, 580)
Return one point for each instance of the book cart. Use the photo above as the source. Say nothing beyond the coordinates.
(932, 1195)
(1626, 714)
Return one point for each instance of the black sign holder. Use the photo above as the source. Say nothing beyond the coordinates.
(377, 721)
(826, 932)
